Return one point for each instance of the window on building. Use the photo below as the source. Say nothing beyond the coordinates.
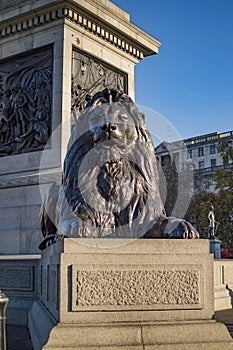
(190, 153)
(201, 164)
(213, 163)
(212, 149)
(200, 151)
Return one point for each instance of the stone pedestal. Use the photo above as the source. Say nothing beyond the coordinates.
(223, 284)
(215, 247)
(127, 294)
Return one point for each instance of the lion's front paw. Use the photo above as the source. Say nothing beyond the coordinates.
(178, 228)
(47, 241)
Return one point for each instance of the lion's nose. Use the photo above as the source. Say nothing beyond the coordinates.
(109, 127)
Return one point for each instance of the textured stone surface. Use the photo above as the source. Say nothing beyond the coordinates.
(16, 278)
(138, 287)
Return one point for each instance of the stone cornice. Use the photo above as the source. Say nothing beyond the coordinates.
(104, 32)
(137, 46)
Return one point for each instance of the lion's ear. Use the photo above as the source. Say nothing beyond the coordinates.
(142, 115)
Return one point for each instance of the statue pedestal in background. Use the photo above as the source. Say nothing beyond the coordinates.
(126, 294)
(215, 247)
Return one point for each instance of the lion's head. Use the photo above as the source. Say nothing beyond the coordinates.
(110, 178)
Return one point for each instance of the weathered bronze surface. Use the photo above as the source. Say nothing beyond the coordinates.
(90, 75)
(110, 178)
(25, 102)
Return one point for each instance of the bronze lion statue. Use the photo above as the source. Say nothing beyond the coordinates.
(110, 179)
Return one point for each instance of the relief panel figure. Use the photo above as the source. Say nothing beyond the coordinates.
(25, 102)
(90, 75)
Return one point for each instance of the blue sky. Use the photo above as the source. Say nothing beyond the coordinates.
(190, 81)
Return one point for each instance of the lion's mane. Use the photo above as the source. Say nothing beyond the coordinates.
(110, 178)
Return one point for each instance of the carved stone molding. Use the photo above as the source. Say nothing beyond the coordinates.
(91, 25)
(102, 32)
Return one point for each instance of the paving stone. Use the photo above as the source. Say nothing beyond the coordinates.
(18, 338)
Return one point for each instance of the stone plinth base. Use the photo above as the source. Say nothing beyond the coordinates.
(176, 336)
(130, 294)
(215, 247)
(222, 299)
(223, 284)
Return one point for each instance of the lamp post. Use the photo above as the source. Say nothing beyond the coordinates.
(3, 304)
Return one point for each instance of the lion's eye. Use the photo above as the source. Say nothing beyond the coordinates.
(123, 117)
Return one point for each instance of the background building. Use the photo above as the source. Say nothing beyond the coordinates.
(200, 153)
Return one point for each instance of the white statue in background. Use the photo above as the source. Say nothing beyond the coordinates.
(212, 222)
